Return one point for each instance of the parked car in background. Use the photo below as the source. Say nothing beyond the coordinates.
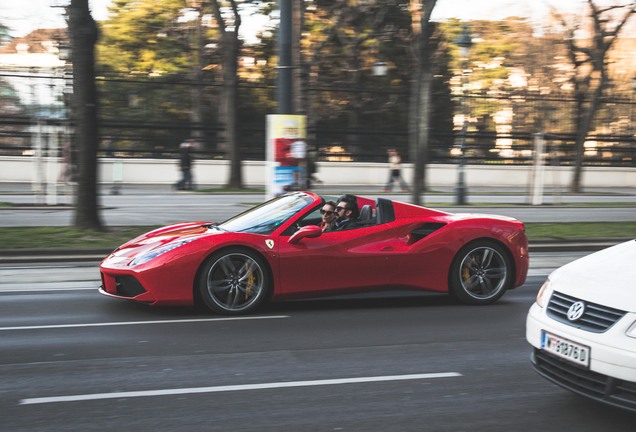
(583, 326)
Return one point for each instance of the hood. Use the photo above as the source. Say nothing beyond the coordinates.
(160, 241)
(606, 277)
(167, 234)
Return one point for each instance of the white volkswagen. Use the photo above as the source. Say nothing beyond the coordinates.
(583, 326)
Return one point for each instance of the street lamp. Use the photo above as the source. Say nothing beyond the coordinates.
(284, 87)
(464, 42)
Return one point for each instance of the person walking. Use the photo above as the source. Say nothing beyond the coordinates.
(185, 163)
(395, 171)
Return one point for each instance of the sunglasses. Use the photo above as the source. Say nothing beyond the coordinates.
(326, 212)
(340, 208)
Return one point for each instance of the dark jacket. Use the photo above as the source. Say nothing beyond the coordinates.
(345, 224)
(186, 158)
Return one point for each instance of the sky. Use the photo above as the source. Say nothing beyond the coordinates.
(24, 16)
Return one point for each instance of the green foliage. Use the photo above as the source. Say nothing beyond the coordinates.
(146, 37)
(149, 57)
(67, 237)
(153, 48)
(341, 42)
(497, 47)
(581, 230)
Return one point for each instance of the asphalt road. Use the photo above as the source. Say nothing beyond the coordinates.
(71, 360)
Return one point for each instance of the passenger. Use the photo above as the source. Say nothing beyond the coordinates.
(328, 213)
(347, 211)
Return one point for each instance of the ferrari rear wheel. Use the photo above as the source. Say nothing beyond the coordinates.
(481, 273)
(234, 282)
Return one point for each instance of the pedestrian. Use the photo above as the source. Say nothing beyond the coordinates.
(185, 163)
(311, 168)
(395, 171)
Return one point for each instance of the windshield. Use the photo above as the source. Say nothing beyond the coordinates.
(268, 216)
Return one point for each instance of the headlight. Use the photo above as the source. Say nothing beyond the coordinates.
(544, 293)
(154, 253)
(632, 331)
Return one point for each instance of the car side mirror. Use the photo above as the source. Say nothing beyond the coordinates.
(309, 231)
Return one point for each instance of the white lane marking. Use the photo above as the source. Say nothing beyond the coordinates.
(125, 323)
(229, 388)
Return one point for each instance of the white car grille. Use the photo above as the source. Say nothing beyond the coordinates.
(595, 318)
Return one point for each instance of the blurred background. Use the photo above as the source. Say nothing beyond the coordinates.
(522, 68)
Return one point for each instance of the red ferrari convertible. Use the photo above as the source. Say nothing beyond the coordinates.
(276, 251)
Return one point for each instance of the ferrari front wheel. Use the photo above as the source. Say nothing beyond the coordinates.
(480, 274)
(234, 282)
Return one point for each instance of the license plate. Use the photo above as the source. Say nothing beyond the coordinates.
(566, 349)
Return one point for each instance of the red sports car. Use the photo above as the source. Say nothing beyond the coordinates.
(276, 251)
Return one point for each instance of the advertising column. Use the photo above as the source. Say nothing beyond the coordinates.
(286, 153)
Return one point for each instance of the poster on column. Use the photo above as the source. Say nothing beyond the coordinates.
(286, 152)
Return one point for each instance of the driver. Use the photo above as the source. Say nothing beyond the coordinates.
(347, 211)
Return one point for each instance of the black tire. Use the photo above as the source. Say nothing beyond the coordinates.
(234, 282)
(481, 273)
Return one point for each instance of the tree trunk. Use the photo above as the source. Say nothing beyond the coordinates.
(590, 64)
(584, 124)
(83, 35)
(424, 128)
(230, 97)
(419, 125)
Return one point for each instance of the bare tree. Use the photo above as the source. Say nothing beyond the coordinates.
(420, 98)
(83, 35)
(228, 33)
(590, 76)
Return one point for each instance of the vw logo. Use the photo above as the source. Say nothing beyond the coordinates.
(576, 311)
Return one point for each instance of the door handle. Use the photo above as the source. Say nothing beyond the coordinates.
(387, 249)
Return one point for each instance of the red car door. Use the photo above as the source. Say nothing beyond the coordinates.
(339, 261)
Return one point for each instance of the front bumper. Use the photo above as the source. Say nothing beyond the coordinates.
(611, 377)
(161, 282)
(602, 388)
(125, 287)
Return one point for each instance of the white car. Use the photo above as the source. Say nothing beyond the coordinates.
(583, 326)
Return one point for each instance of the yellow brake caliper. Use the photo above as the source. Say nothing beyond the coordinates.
(249, 285)
(466, 273)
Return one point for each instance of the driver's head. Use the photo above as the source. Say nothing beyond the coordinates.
(348, 206)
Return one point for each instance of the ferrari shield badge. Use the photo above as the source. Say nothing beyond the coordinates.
(269, 243)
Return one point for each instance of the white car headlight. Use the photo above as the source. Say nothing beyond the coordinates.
(154, 253)
(544, 293)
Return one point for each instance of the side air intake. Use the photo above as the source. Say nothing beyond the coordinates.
(425, 230)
